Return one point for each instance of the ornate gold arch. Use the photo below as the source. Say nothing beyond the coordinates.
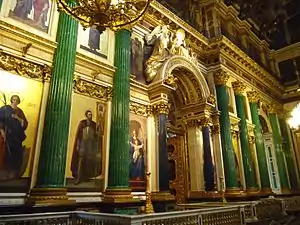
(188, 74)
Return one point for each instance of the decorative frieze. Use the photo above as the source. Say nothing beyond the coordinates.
(221, 77)
(140, 109)
(24, 67)
(91, 89)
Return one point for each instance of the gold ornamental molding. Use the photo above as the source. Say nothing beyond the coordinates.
(7, 27)
(24, 68)
(140, 109)
(221, 77)
(238, 87)
(91, 89)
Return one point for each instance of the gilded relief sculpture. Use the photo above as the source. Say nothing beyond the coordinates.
(166, 45)
(160, 36)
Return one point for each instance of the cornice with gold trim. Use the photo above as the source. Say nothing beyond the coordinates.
(24, 67)
(240, 58)
(91, 89)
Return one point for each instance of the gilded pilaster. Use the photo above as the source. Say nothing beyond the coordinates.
(195, 154)
(162, 109)
(259, 141)
(52, 161)
(278, 147)
(249, 169)
(230, 167)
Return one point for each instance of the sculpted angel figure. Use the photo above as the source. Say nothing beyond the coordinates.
(160, 36)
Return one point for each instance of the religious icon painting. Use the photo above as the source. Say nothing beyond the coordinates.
(93, 42)
(35, 13)
(19, 119)
(137, 152)
(87, 144)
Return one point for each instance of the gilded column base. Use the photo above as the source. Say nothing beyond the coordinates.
(119, 196)
(163, 196)
(286, 191)
(266, 191)
(48, 196)
(252, 191)
(234, 193)
(204, 194)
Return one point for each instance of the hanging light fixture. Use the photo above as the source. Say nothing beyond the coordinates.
(102, 14)
(294, 120)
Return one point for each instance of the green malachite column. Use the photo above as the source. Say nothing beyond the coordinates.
(278, 149)
(1, 1)
(52, 161)
(286, 145)
(230, 166)
(248, 163)
(118, 172)
(259, 143)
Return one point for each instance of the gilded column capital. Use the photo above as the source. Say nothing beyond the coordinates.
(109, 92)
(216, 128)
(238, 87)
(221, 77)
(193, 123)
(162, 108)
(273, 108)
(206, 122)
(253, 96)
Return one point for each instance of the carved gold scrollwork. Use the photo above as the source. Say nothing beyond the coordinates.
(211, 99)
(171, 80)
(92, 89)
(238, 87)
(251, 139)
(24, 68)
(221, 77)
(140, 109)
(252, 96)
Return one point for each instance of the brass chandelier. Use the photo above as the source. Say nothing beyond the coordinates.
(102, 14)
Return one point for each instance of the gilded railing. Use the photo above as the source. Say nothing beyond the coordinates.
(231, 215)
